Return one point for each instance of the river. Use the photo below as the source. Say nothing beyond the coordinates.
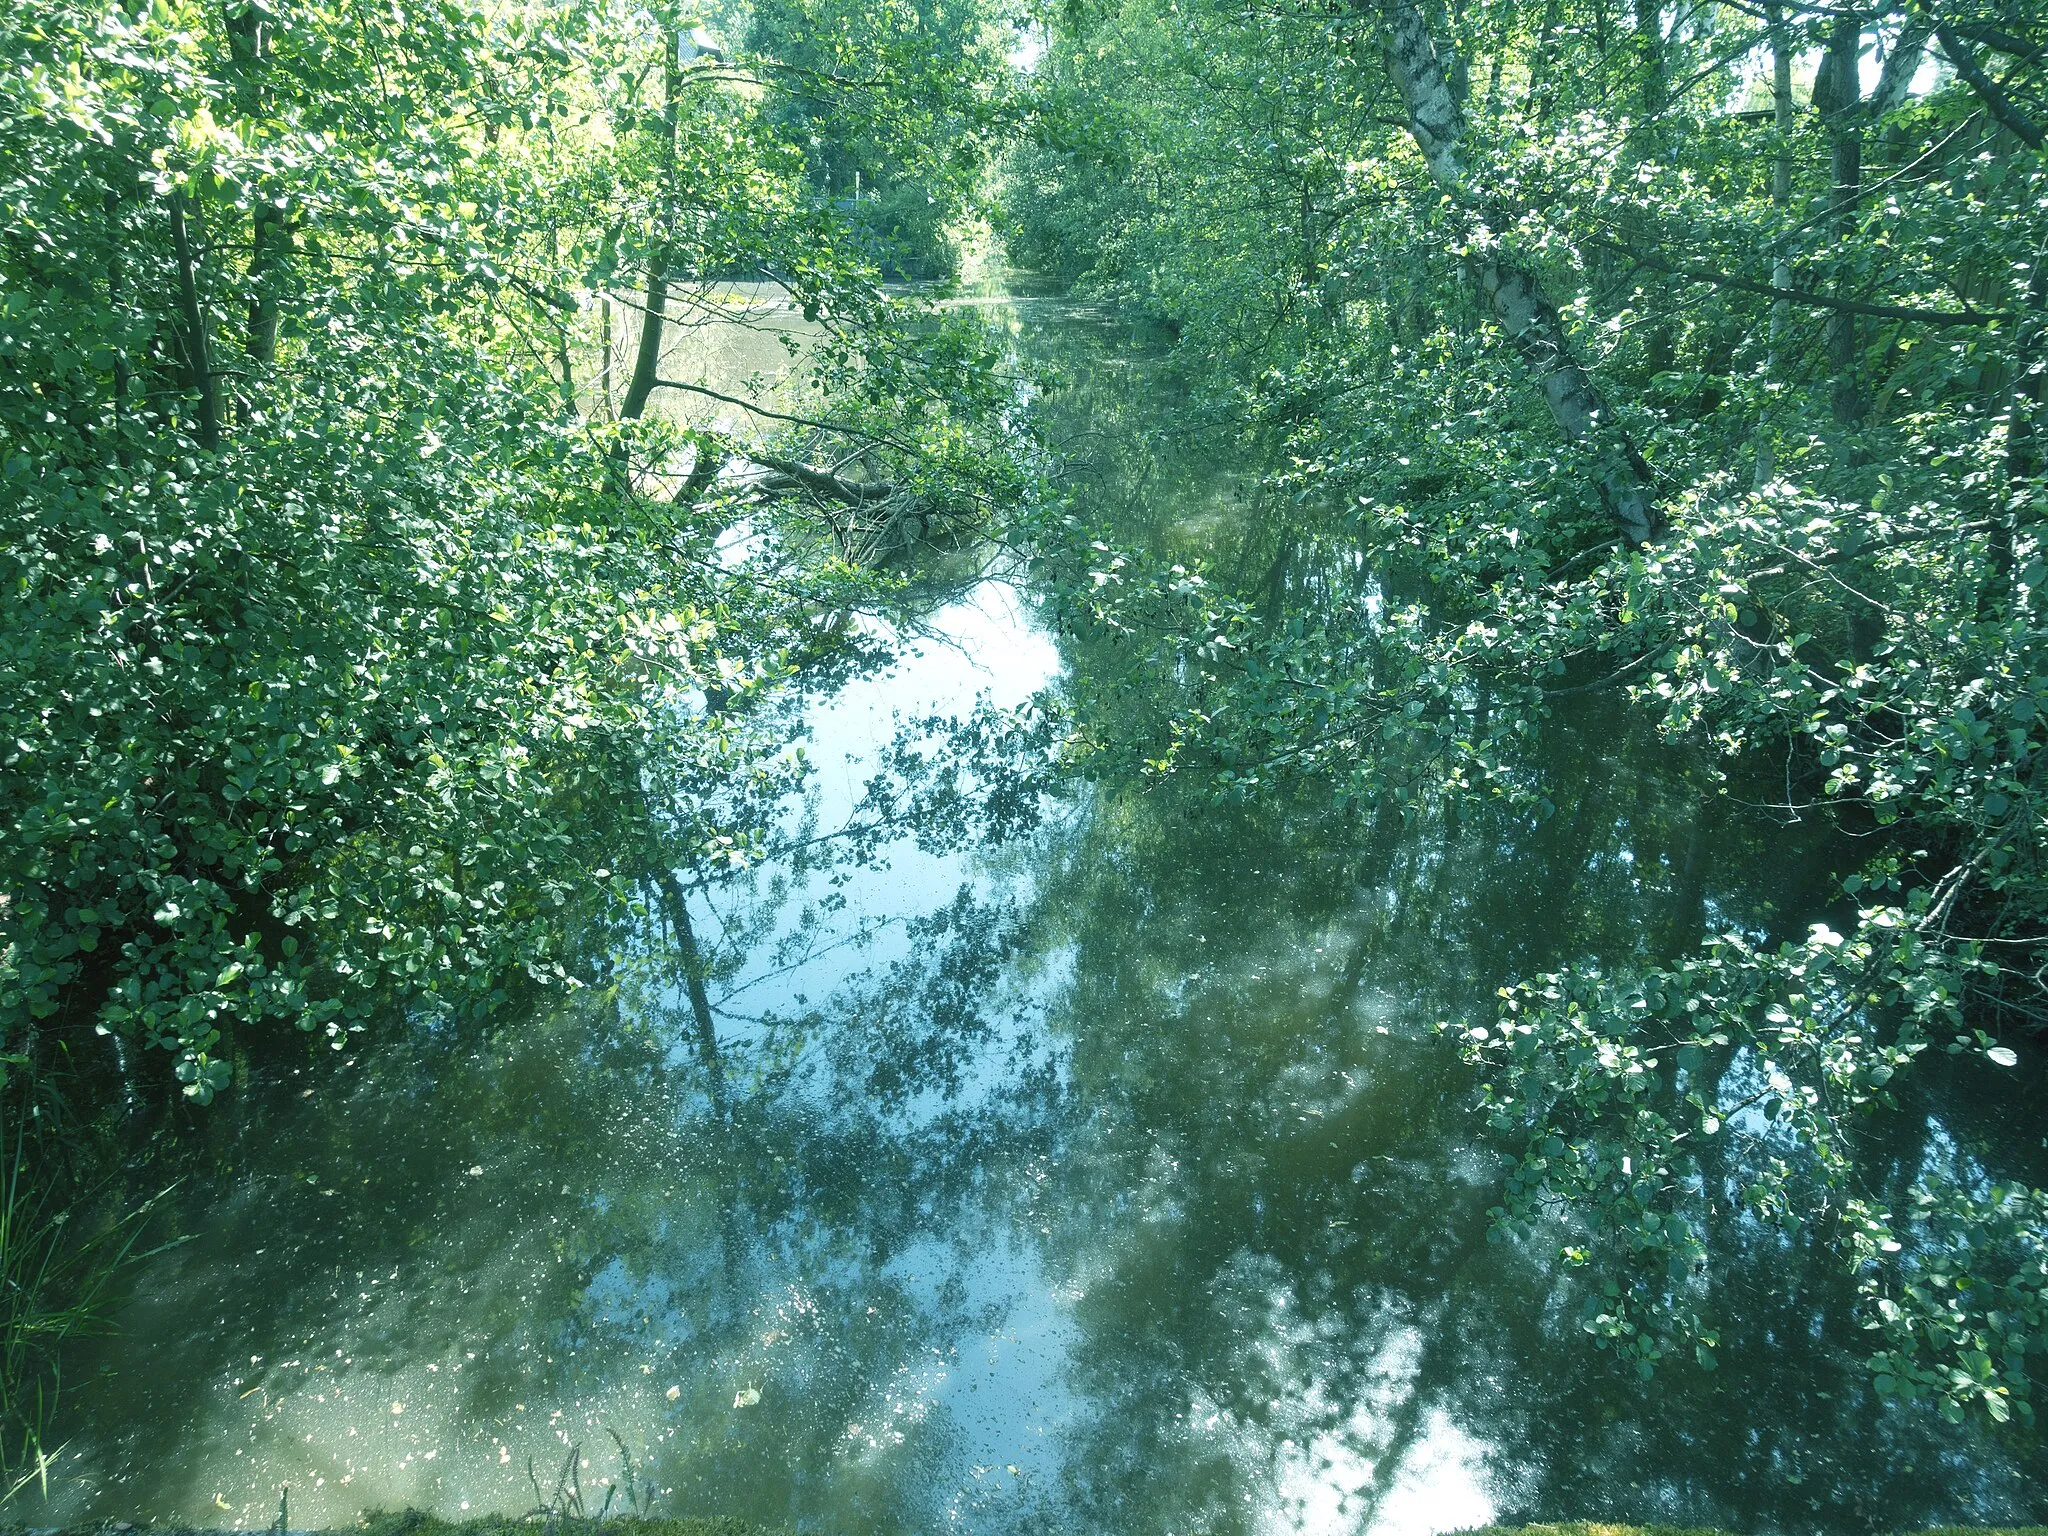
(1110, 1178)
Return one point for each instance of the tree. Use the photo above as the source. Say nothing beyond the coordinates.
(339, 600)
(1621, 364)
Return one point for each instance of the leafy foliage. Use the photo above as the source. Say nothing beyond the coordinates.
(1804, 297)
(329, 611)
(367, 643)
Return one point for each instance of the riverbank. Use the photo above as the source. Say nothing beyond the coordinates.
(413, 1522)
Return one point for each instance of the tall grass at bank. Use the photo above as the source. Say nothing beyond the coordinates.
(64, 1240)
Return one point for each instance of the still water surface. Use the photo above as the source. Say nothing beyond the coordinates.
(1109, 1180)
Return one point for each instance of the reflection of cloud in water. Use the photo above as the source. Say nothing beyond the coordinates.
(1001, 1385)
(1365, 1452)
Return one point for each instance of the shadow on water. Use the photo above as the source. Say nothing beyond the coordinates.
(1109, 1178)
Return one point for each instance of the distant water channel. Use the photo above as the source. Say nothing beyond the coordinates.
(1109, 1180)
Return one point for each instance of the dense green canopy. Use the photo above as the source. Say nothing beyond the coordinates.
(338, 600)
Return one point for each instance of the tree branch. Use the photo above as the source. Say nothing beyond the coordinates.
(798, 421)
(1999, 41)
(1988, 91)
(1808, 297)
(823, 482)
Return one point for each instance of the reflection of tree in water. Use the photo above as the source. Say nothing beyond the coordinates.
(1192, 1083)
(564, 1210)
(849, 1178)
(832, 1149)
(1243, 1147)
(1282, 1214)
(794, 1248)
(1263, 1183)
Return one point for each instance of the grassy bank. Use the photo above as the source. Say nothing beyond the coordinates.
(1594, 1528)
(412, 1522)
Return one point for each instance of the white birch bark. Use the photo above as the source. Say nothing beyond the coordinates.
(1524, 311)
(1901, 63)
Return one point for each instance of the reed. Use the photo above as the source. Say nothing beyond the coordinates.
(65, 1239)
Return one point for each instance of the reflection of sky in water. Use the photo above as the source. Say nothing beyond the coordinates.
(362, 1412)
(1186, 1233)
(982, 647)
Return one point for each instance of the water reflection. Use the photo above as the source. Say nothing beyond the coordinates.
(1110, 1179)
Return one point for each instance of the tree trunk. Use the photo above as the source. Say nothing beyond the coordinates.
(1516, 298)
(1900, 65)
(565, 372)
(198, 360)
(1660, 348)
(265, 257)
(1782, 116)
(1543, 65)
(647, 359)
(1656, 67)
(710, 459)
(1837, 93)
(2022, 428)
(694, 973)
(248, 48)
(2022, 446)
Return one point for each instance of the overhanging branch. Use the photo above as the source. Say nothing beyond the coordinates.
(1807, 296)
(801, 421)
(1988, 91)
